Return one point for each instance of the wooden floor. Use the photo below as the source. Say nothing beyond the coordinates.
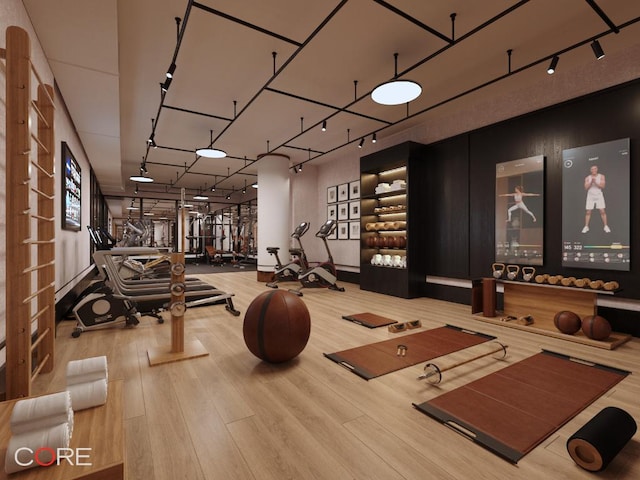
(230, 416)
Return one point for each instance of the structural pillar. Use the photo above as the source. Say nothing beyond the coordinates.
(274, 212)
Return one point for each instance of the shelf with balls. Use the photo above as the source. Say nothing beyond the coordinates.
(565, 312)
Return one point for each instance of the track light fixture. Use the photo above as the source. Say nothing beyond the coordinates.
(209, 151)
(324, 125)
(228, 197)
(597, 49)
(552, 66)
(396, 91)
(361, 142)
(300, 167)
(166, 84)
(374, 139)
(171, 70)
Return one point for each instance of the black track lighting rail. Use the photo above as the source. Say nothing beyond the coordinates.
(450, 43)
(252, 26)
(194, 112)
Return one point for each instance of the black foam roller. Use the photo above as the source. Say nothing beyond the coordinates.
(601, 439)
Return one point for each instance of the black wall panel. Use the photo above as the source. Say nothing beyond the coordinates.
(600, 117)
(445, 183)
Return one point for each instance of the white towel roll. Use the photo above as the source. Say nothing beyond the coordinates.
(41, 412)
(24, 445)
(87, 370)
(87, 395)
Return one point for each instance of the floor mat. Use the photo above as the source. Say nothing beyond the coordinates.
(513, 410)
(369, 320)
(375, 359)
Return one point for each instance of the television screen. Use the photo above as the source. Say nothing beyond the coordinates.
(71, 188)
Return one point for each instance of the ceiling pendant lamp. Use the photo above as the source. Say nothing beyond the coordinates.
(143, 176)
(396, 92)
(210, 152)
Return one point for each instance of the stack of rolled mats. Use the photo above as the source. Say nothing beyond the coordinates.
(39, 426)
(87, 382)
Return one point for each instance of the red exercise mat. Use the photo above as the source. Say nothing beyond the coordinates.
(513, 410)
(375, 359)
(369, 320)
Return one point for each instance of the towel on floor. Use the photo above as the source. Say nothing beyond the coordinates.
(24, 445)
(89, 394)
(87, 370)
(41, 412)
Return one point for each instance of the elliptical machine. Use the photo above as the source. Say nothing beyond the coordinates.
(290, 271)
(323, 275)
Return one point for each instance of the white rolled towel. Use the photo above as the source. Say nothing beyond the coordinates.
(87, 370)
(41, 412)
(22, 447)
(87, 395)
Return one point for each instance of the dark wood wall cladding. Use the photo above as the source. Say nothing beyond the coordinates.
(446, 208)
(462, 169)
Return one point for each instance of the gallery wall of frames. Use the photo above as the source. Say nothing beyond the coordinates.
(525, 192)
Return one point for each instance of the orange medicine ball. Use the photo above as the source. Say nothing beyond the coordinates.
(596, 327)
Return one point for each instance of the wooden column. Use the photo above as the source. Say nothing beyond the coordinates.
(18, 287)
(45, 219)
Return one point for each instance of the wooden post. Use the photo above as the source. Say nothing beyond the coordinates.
(489, 299)
(46, 228)
(18, 287)
(177, 321)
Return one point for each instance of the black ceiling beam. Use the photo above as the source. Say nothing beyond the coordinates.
(596, 8)
(414, 20)
(246, 24)
(210, 115)
(322, 104)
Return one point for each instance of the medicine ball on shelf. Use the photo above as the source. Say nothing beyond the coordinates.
(596, 327)
(276, 326)
(567, 322)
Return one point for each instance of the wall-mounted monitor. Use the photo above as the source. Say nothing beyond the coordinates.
(596, 228)
(71, 189)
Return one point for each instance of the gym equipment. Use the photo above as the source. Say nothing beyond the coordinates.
(276, 326)
(369, 320)
(290, 271)
(528, 273)
(596, 327)
(498, 269)
(582, 282)
(611, 286)
(433, 373)
(323, 275)
(567, 322)
(102, 309)
(512, 272)
(568, 281)
(601, 439)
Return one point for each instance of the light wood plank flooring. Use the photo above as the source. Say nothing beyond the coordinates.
(230, 416)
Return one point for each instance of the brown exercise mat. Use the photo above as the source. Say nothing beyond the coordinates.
(513, 410)
(375, 359)
(369, 320)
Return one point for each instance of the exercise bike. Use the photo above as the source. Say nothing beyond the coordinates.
(323, 275)
(101, 309)
(290, 271)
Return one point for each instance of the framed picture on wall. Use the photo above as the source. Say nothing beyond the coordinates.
(519, 215)
(343, 211)
(354, 210)
(596, 200)
(333, 235)
(332, 194)
(343, 231)
(354, 230)
(332, 212)
(343, 192)
(71, 190)
(354, 189)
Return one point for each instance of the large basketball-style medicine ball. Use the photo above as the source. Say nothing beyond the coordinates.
(596, 327)
(567, 322)
(276, 326)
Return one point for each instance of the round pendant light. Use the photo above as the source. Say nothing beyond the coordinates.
(210, 152)
(140, 179)
(396, 91)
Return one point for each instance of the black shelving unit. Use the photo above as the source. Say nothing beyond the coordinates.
(391, 257)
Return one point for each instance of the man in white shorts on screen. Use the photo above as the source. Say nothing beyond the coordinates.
(594, 183)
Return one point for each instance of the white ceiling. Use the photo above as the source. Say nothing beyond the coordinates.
(109, 58)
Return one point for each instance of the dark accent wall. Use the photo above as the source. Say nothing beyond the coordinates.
(460, 184)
